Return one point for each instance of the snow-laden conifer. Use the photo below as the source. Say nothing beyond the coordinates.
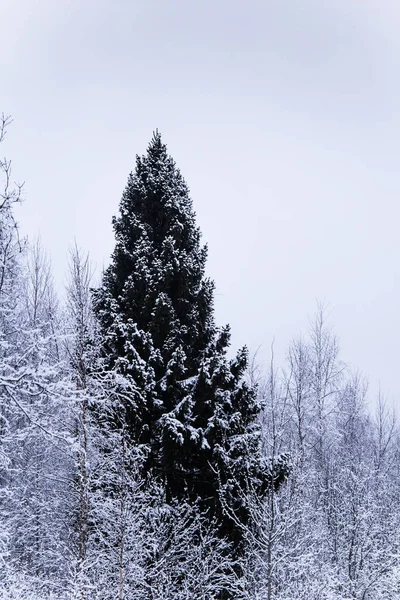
(185, 404)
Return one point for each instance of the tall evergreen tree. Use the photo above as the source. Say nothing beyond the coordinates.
(184, 402)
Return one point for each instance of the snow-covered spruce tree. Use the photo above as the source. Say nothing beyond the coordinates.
(186, 405)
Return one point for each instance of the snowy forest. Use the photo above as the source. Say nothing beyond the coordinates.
(141, 460)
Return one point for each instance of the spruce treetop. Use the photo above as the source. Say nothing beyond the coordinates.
(156, 278)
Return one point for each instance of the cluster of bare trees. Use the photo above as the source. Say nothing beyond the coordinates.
(332, 532)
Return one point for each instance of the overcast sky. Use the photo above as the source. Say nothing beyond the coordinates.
(284, 117)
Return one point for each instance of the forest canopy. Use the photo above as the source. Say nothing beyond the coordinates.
(139, 461)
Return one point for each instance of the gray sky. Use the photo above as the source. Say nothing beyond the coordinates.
(284, 119)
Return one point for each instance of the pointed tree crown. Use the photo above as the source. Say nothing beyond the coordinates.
(156, 278)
